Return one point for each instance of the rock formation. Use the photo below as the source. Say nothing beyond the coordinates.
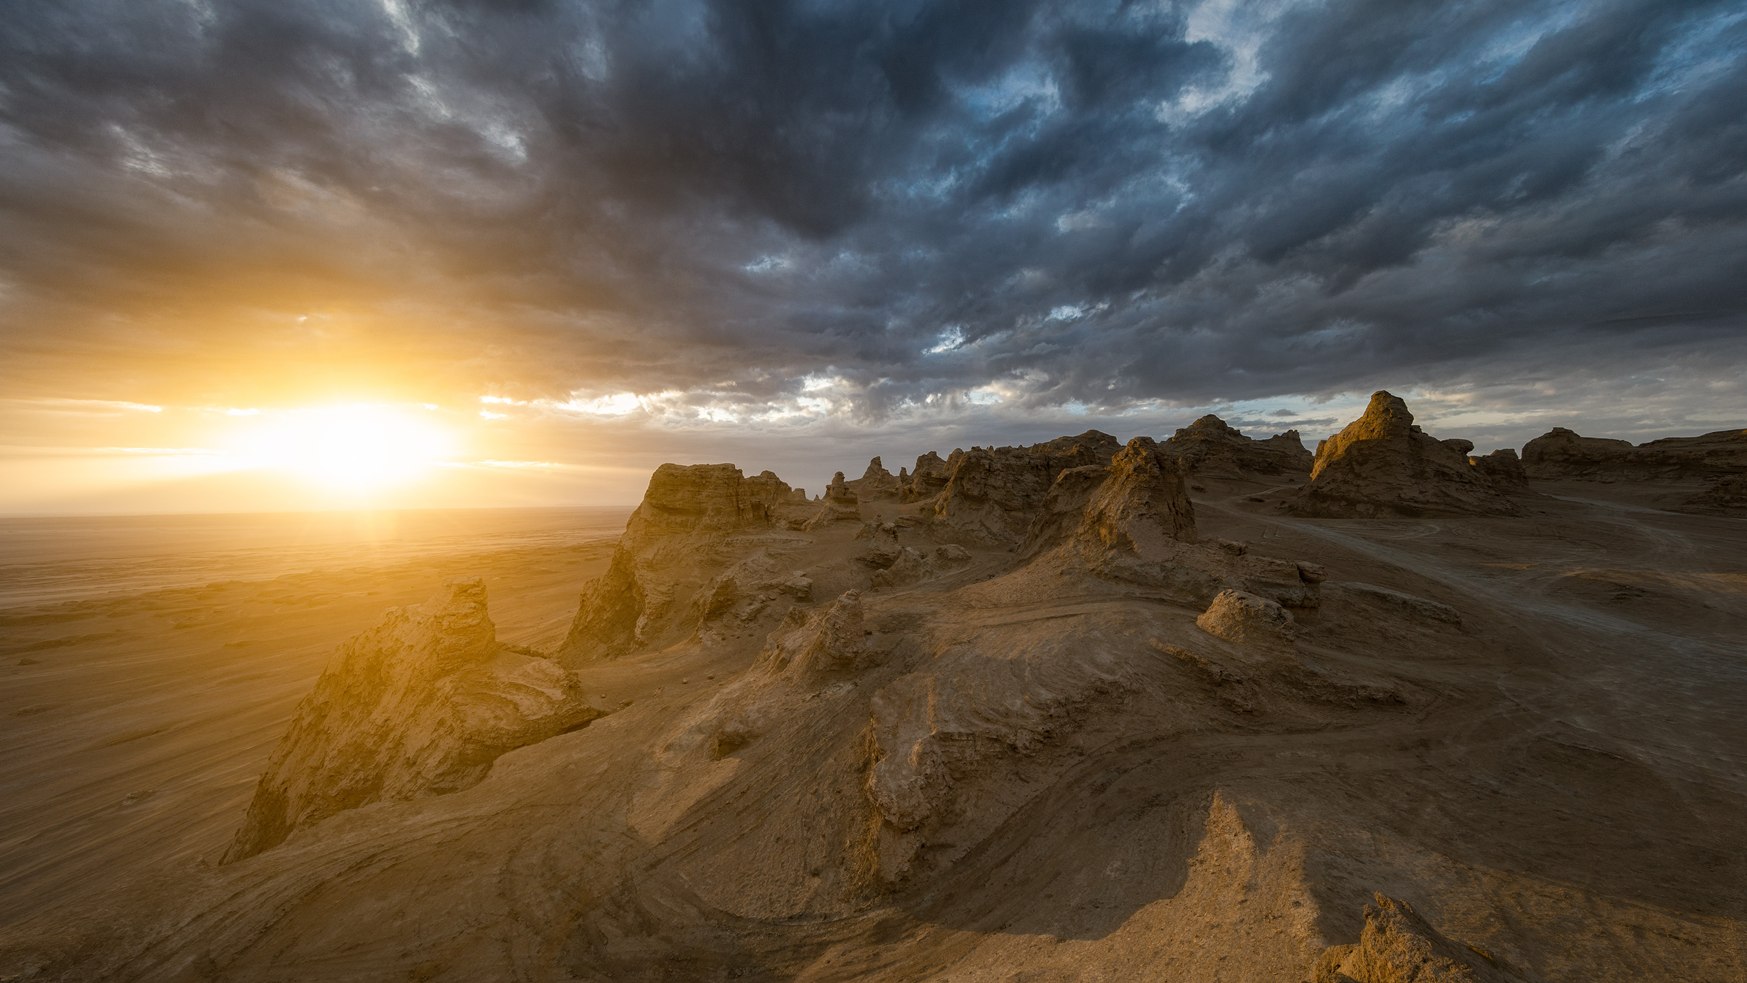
(1727, 497)
(1561, 453)
(1029, 710)
(657, 558)
(1398, 946)
(421, 704)
(1382, 464)
(1210, 448)
(875, 483)
(992, 495)
(1503, 469)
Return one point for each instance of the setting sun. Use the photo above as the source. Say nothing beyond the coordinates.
(358, 447)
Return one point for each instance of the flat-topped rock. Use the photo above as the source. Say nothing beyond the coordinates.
(1562, 453)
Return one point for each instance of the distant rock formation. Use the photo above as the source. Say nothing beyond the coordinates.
(1210, 448)
(992, 495)
(1399, 946)
(421, 704)
(1503, 468)
(1382, 464)
(683, 506)
(1726, 497)
(875, 483)
(1561, 453)
(927, 480)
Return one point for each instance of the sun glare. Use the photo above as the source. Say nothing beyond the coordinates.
(357, 448)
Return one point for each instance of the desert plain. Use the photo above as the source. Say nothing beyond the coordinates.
(1196, 708)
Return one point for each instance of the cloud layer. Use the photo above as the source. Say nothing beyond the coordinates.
(768, 213)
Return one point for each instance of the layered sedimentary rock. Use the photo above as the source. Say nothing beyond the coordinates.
(1042, 717)
(1399, 946)
(1212, 449)
(1383, 464)
(992, 494)
(1726, 497)
(421, 704)
(1562, 453)
(684, 507)
(1504, 469)
(876, 483)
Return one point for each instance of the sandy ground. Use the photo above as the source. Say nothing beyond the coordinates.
(1559, 779)
(151, 663)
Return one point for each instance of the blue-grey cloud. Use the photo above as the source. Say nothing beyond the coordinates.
(1055, 205)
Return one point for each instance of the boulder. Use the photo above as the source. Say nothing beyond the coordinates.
(1382, 464)
(1239, 616)
(1210, 448)
(419, 705)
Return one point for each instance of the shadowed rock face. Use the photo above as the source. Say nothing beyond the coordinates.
(421, 704)
(1210, 448)
(994, 494)
(1561, 453)
(1503, 469)
(1381, 464)
(1726, 497)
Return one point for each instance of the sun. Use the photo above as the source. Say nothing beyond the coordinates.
(354, 448)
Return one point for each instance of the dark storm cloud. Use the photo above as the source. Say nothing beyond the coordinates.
(1066, 204)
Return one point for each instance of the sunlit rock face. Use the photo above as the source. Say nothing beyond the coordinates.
(1210, 448)
(1382, 464)
(1562, 453)
(419, 705)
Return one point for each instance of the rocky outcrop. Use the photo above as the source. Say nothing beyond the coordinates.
(927, 480)
(1562, 453)
(1137, 503)
(1726, 497)
(876, 483)
(684, 507)
(1210, 448)
(1239, 616)
(421, 704)
(992, 495)
(1503, 469)
(1399, 946)
(1382, 464)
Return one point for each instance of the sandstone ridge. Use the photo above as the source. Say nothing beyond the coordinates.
(419, 705)
(1562, 453)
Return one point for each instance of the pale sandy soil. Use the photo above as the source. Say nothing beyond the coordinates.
(149, 664)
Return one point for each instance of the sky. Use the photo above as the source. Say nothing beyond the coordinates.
(289, 254)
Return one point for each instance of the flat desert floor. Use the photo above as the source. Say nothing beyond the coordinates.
(152, 662)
